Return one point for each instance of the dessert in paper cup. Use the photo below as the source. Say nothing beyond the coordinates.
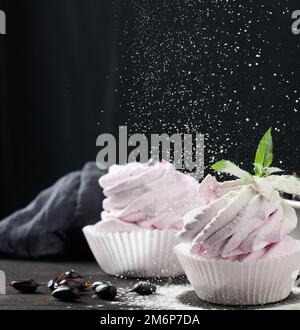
(236, 249)
(143, 211)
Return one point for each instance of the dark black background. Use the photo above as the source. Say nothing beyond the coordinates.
(72, 69)
(54, 60)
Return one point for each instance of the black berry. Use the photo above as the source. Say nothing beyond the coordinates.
(66, 293)
(97, 283)
(106, 291)
(144, 288)
(29, 286)
(72, 274)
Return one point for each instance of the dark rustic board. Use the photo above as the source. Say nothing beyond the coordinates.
(172, 293)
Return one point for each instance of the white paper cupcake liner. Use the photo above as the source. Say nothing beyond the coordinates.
(240, 283)
(144, 253)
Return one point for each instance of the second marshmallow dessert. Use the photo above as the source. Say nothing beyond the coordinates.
(142, 212)
(236, 247)
(238, 223)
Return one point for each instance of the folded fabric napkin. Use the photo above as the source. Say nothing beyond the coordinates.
(51, 224)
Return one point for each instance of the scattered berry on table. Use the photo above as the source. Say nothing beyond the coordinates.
(106, 291)
(144, 288)
(28, 286)
(66, 293)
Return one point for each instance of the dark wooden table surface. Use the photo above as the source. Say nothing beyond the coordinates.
(172, 293)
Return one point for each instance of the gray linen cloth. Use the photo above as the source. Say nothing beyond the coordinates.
(51, 224)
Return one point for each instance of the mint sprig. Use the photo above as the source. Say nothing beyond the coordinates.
(262, 163)
(264, 154)
(225, 166)
(263, 181)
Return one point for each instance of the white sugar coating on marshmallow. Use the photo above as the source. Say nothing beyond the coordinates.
(140, 196)
(241, 221)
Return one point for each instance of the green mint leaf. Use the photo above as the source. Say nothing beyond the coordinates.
(225, 166)
(272, 170)
(258, 169)
(264, 153)
(219, 166)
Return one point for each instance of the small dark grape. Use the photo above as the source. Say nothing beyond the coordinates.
(72, 274)
(106, 291)
(97, 283)
(66, 293)
(28, 286)
(144, 288)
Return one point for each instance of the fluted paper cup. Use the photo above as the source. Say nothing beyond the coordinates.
(143, 253)
(239, 283)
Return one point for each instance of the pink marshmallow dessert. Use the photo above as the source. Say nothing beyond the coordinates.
(236, 248)
(142, 212)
